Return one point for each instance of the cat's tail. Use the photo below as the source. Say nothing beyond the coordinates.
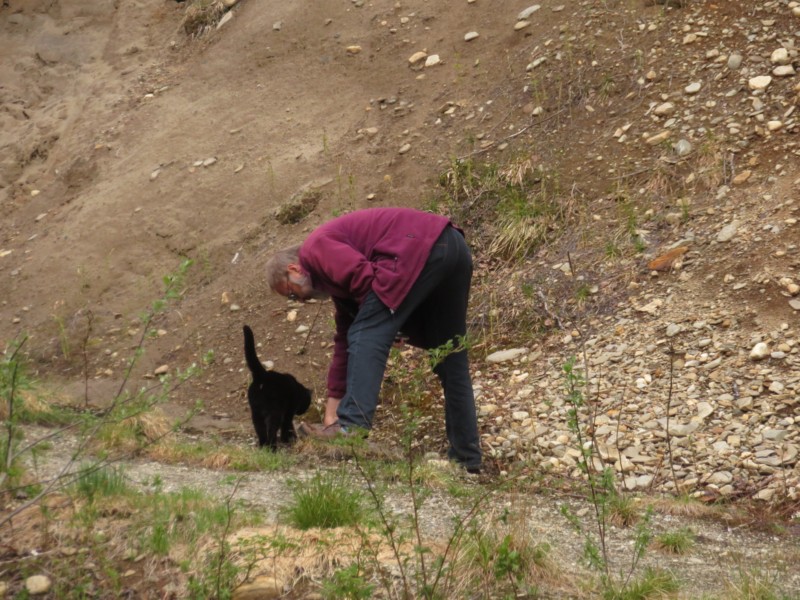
(255, 366)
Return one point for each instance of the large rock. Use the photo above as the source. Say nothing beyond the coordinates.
(261, 588)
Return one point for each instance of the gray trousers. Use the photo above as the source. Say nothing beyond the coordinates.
(434, 312)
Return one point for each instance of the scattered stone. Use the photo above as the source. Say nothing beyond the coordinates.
(726, 233)
(682, 147)
(528, 12)
(659, 137)
(734, 61)
(471, 36)
(38, 585)
(693, 87)
(721, 477)
(784, 71)
(780, 57)
(226, 18)
(760, 351)
(261, 588)
(742, 177)
(162, 370)
(416, 57)
(354, 49)
(432, 60)
(664, 109)
(775, 435)
(704, 409)
(759, 83)
(506, 355)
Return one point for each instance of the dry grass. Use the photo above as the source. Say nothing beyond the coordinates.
(29, 403)
(502, 541)
(682, 506)
(201, 15)
(133, 433)
(518, 237)
(299, 206)
(171, 453)
(287, 554)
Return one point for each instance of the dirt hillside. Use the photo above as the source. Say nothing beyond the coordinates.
(129, 144)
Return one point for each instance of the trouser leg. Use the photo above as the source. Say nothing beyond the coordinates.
(437, 304)
(442, 317)
(372, 333)
(436, 314)
(369, 340)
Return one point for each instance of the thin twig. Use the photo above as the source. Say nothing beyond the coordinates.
(310, 330)
(669, 406)
(10, 420)
(228, 519)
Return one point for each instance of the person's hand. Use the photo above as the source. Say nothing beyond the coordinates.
(330, 411)
(400, 340)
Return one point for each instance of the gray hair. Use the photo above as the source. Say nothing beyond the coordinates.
(278, 264)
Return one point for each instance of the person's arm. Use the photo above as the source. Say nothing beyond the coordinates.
(330, 411)
(337, 372)
(343, 266)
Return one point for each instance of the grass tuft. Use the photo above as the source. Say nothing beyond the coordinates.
(755, 584)
(622, 510)
(202, 14)
(679, 541)
(326, 500)
(652, 583)
(682, 506)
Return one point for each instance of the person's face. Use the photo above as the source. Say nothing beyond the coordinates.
(297, 285)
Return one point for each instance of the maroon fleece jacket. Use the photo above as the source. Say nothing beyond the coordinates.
(382, 250)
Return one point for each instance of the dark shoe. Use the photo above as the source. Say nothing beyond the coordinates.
(473, 470)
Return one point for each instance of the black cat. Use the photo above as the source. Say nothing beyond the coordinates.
(275, 398)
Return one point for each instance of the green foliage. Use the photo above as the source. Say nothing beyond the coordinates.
(508, 561)
(93, 482)
(756, 584)
(608, 504)
(328, 499)
(348, 583)
(437, 355)
(621, 508)
(522, 201)
(11, 472)
(652, 583)
(612, 250)
(13, 376)
(678, 541)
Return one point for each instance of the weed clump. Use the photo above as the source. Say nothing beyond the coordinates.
(202, 14)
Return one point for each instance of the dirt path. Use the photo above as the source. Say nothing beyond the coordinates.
(723, 555)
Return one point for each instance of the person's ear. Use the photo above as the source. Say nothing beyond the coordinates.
(294, 268)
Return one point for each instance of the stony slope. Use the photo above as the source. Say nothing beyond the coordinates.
(133, 146)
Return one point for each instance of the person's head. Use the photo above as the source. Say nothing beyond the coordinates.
(286, 277)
